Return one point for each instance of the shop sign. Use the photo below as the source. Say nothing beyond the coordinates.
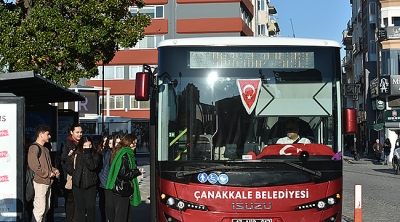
(381, 34)
(394, 84)
(380, 104)
(392, 115)
(384, 85)
(374, 87)
(393, 32)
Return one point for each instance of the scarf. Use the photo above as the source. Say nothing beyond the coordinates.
(72, 139)
(114, 169)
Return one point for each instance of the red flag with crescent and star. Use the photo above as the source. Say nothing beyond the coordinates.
(249, 90)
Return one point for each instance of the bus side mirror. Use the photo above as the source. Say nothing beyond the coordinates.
(142, 86)
(349, 120)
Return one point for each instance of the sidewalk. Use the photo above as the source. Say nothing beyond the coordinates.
(141, 213)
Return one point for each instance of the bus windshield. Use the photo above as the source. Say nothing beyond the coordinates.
(224, 104)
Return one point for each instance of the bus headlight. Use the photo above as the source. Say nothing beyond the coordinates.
(170, 201)
(179, 204)
(331, 201)
(321, 204)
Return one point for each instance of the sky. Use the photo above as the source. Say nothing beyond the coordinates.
(321, 19)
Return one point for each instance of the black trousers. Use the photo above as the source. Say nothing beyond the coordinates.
(122, 208)
(110, 207)
(69, 206)
(102, 204)
(85, 203)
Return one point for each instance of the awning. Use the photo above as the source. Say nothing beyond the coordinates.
(36, 89)
(377, 127)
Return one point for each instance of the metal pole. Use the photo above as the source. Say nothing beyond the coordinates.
(102, 98)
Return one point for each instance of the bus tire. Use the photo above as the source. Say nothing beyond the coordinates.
(396, 168)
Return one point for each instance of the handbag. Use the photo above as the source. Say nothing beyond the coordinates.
(123, 188)
(68, 184)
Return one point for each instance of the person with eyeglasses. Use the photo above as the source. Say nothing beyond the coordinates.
(83, 167)
(292, 134)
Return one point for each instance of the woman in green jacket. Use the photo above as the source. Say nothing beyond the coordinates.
(122, 178)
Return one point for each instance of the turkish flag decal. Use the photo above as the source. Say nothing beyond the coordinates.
(249, 90)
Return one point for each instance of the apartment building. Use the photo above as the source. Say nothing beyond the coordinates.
(171, 19)
(372, 64)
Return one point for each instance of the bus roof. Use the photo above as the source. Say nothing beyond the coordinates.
(249, 41)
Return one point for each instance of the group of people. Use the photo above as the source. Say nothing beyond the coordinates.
(380, 149)
(109, 170)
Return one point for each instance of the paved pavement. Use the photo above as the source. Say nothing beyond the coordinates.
(379, 186)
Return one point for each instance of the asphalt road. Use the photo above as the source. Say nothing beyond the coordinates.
(380, 190)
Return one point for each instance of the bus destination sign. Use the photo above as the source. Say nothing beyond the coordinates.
(287, 60)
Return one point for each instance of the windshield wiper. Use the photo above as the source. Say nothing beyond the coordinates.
(317, 174)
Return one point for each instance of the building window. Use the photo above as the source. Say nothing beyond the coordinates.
(396, 21)
(134, 69)
(262, 5)
(148, 42)
(139, 104)
(262, 29)
(155, 11)
(245, 16)
(116, 102)
(385, 22)
(110, 72)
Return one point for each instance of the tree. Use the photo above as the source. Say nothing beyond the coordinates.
(64, 40)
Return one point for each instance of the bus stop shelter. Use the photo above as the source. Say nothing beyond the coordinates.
(36, 89)
(24, 103)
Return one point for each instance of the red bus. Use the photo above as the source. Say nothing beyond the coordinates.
(219, 136)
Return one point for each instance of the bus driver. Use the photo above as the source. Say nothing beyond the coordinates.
(292, 134)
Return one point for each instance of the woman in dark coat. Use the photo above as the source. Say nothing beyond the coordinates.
(108, 198)
(387, 146)
(83, 167)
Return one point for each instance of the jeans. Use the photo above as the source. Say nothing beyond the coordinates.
(41, 201)
(386, 157)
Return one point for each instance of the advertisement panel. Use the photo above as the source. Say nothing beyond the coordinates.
(11, 158)
(8, 152)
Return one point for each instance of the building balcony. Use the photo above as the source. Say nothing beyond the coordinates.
(273, 28)
(350, 27)
(346, 38)
(272, 10)
(347, 61)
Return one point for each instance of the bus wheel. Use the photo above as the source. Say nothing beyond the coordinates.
(396, 168)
